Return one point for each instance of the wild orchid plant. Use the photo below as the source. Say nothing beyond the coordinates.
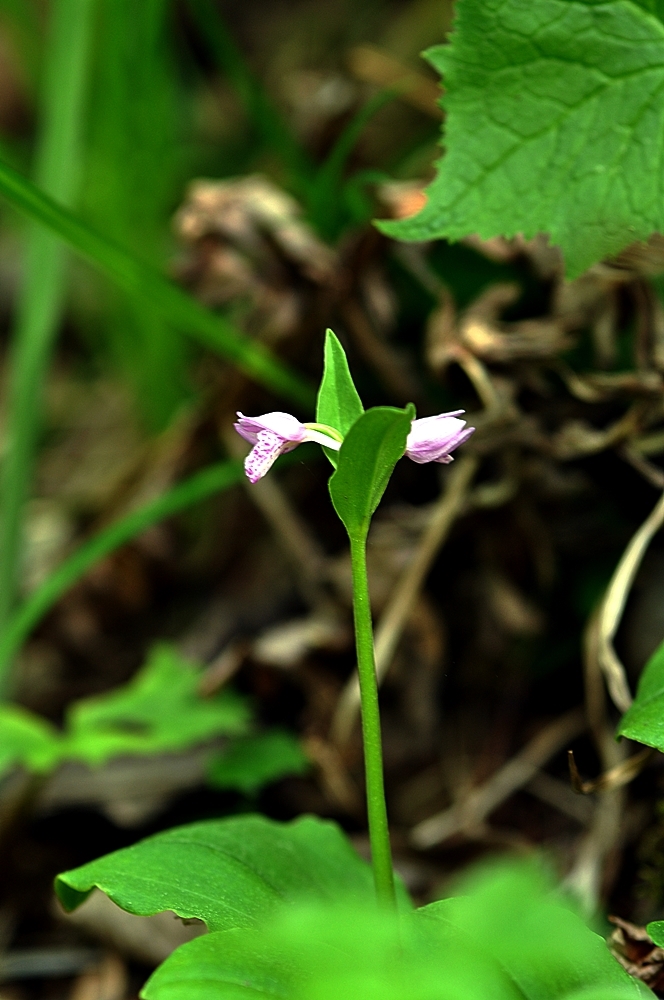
(292, 911)
(364, 448)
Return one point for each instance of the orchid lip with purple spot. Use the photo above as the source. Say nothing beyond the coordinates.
(273, 434)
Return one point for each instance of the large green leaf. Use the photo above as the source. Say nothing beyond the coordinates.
(229, 873)
(330, 953)
(338, 403)
(554, 123)
(505, 938)
(250, 762)
(644, 720)
(371, 449)
(159, 710)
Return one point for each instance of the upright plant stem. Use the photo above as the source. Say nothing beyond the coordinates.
(381, 853)
(56, 171)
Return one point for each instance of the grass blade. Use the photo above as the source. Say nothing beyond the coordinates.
(58, 166)
(140, 157)
(198, 487)
(142, 281)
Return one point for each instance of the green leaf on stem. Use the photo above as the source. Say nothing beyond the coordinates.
(366, 460)
(251, 762)
(644, 719)
(553, 124)
(338, 404)
(230, 873)
(160, 710)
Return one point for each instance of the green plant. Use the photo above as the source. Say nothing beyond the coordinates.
(292, 911)
(159, 711)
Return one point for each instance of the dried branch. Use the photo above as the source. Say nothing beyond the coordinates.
(466, 816)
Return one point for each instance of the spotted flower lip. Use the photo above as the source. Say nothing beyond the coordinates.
(275, 433)
(432, 439)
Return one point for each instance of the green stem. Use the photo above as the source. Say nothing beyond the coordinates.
(379, 836)
(40, 304)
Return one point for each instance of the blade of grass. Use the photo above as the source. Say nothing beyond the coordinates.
(142, 281)
(140, 157)
(265, 117)
(201, 485)
(58, 163)
(198, 487)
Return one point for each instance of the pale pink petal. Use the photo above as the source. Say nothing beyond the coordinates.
(431, 439)
(285, 425)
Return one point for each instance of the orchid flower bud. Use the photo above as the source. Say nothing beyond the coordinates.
(431, 439)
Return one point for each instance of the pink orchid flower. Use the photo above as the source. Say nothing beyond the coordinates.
(431, 439)
(273, 434)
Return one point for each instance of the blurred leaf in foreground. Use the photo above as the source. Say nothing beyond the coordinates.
(505, 938)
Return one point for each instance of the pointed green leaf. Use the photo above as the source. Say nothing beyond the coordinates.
(229, 873)
(371, 449)
(338, 404)
(159, 710)
(253, 761)
(644, 719)
(554, 124)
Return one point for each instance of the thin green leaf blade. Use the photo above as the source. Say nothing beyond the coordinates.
(644, 719)
(338, 404)
(554, 123)
(229, 873)
(197, 487)
(253, 761)
(144, 282)
(366, 460)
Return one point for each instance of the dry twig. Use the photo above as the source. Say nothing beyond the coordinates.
(468, 815)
